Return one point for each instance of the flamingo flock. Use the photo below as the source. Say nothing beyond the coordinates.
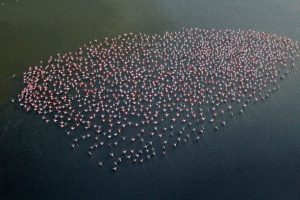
(129, 98)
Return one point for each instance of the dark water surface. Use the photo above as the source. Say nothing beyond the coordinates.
(257, 156)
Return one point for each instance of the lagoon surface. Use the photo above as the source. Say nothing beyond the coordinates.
(257, 156)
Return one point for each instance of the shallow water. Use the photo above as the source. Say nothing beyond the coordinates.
(257, 156)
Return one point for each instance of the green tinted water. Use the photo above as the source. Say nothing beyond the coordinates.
(256, 157)
(31, 30)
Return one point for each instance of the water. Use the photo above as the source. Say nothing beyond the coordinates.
(257, 156)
